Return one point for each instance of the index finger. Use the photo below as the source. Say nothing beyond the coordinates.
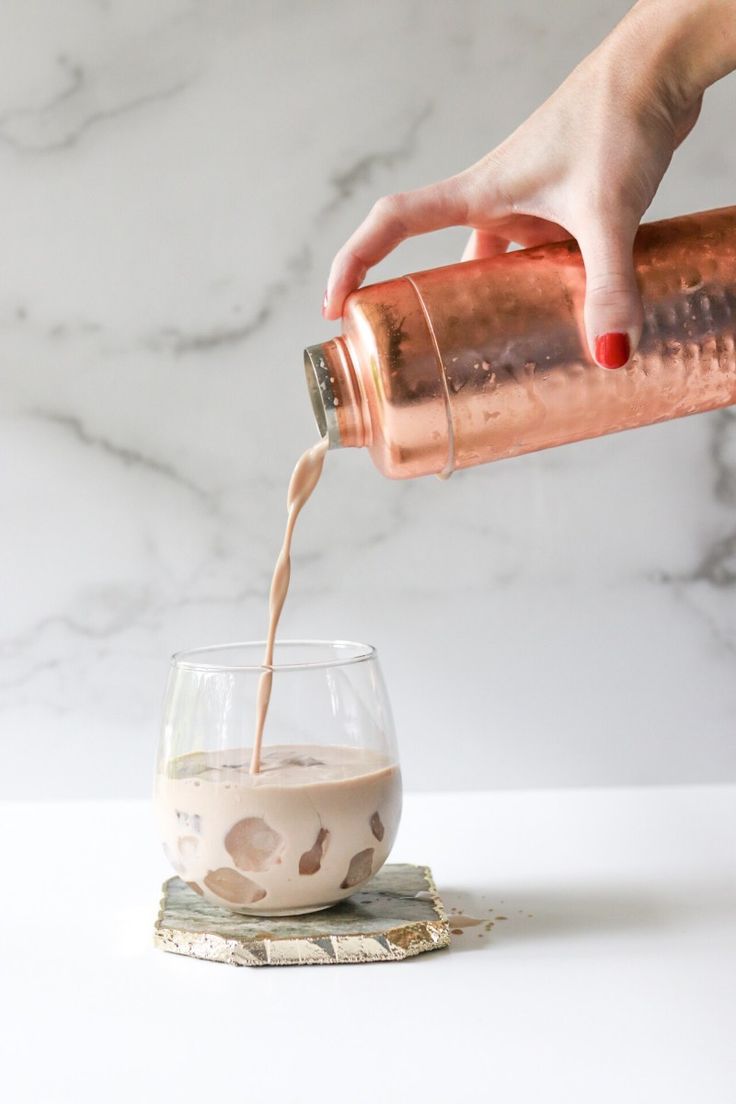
(390, 221)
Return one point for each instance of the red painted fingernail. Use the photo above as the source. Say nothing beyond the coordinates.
(324, 303)
(612, 350)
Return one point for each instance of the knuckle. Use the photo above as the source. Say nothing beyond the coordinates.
(608, 285)
(612, 295)
(385, 206)
(388, 210)
(615, 300)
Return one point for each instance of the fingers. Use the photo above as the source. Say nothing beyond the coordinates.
(613, 310)
(528, 231)
(483, 243)
(391, 220)
(525, 230)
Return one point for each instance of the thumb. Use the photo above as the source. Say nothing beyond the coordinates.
(613, 309)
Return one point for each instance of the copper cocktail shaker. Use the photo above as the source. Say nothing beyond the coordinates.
(488, 359)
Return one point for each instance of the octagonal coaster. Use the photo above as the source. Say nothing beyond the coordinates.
(396, 915)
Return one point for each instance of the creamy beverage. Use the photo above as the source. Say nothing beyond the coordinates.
(289, 827)
(305, 831)
(304, 479)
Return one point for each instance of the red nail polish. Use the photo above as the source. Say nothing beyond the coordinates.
(612, 350)
(324, 303)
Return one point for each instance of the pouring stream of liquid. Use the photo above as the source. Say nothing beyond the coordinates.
(304, 479)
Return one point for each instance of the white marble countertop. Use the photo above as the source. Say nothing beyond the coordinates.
(610, 978)
(176, 176)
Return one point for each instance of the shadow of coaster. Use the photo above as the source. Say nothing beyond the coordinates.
(397, 915)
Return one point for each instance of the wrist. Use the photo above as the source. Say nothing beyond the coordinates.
(692, 42)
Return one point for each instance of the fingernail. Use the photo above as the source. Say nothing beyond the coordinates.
(612, 350)
(324, 303)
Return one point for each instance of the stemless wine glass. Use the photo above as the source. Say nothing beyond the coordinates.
(319, 816)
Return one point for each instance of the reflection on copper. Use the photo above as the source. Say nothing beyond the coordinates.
(488, 359)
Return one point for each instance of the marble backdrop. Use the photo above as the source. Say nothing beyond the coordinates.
(174, 178)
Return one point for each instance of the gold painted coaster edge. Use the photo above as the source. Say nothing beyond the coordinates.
(400, 942)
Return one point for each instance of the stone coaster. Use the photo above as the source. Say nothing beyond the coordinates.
(396, 915)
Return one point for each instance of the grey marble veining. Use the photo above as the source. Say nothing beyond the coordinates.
(397, 915)
(353, 177)
(176, 176)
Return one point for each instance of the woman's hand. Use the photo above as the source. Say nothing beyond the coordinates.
(586, 164)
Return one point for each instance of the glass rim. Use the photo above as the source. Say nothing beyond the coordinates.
(184, 660)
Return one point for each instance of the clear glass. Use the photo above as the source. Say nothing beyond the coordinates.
(319, 817)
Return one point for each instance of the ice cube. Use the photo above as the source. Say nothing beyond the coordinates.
(359, 869)
(311, 860)
(234, 887)
(253, 844)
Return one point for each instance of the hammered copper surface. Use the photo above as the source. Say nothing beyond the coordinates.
(485, 360)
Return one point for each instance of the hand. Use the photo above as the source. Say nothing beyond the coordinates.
(586, 164)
